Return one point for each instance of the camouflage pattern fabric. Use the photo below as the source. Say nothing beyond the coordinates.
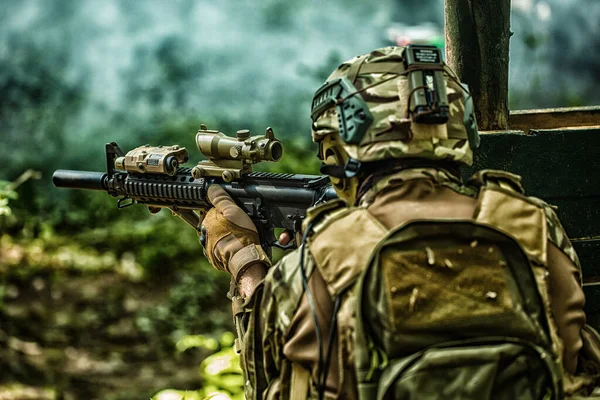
(558, 236)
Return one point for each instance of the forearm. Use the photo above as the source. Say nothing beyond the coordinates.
(250, 278)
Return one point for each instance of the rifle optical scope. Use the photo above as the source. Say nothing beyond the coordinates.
(232, 157)
(216, 145)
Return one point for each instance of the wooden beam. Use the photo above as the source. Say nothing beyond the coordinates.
(554, 118)
(477, 41)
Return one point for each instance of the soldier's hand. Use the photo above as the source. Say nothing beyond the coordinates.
(229, 237)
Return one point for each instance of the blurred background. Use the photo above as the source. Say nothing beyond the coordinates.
(108, 304)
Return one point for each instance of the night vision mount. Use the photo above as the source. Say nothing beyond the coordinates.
(428, 101)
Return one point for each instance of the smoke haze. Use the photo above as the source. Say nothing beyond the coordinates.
(81, 73)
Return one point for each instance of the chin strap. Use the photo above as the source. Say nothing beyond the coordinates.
(350, 170)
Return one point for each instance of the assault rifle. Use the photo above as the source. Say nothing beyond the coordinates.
(155, 177)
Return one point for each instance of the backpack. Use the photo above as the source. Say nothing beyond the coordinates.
(451, 310)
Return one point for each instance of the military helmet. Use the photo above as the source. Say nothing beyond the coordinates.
(393, 103)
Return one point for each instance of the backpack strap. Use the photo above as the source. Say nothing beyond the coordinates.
(317, 215)
(352, 235)
(501, 203)
(499, 178)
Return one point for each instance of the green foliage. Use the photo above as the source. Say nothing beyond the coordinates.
(195, 303)
(17, 391)
(221, 372)
(6, 193)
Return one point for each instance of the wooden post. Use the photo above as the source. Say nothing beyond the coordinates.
(477, 41)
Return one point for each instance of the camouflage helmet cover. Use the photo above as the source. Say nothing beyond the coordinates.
(380, 78)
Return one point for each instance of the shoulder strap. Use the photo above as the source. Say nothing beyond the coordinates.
(533, 209)
(501, 204)
(503, 179)
(320, 212)
(348, 241)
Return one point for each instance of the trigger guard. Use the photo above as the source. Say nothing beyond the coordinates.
(267, 237)
(289, 246)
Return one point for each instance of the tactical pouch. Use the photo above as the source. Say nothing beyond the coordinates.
(470, 370)
(451, 309)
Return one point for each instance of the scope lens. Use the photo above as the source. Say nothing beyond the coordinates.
(276, 150)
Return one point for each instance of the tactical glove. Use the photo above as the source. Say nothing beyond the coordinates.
(229, 236)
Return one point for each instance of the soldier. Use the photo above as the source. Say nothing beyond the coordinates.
(414, 284)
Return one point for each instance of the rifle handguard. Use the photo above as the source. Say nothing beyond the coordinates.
(245, 257)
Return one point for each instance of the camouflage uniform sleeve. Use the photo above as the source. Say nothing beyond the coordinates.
(273, 308)
(259, 349)
(565, 290)
(251, 359)
(270, 336)
(264, 338)
(558, 236)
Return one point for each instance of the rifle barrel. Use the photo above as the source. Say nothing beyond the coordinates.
(87, 180)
